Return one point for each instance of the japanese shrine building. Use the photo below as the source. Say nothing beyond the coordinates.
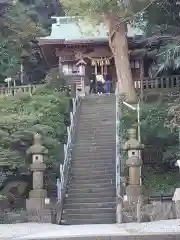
(72, 40)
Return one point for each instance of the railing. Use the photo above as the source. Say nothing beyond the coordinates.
(65, 167)
(159, 83)
(11, 91)
(119, 197)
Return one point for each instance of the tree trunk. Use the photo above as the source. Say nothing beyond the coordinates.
(119, 47)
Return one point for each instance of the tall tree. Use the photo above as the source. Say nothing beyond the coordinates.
(20, 22)
(115, 14)
(163, 22)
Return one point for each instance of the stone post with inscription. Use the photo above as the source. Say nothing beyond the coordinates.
(176, 200)
(38, 205)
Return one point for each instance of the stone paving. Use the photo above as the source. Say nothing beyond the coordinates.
(160, 230)
(135, 237)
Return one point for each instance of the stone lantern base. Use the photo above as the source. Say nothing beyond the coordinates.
(134, 194)
(37, 209)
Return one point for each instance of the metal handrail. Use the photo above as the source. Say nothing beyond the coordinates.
(65, 167)
(119, 194)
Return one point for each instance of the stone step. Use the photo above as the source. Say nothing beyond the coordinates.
(80, 168)
(80, 164)
(91, 175)
(83, 158)
(93, 147)
(110, 189)
(92, 121)
(90, 206)
(91, 185)
(92, 172)
(97, 126)
(98, 106)
(99, 102)
(90, 135)
(88, 221)
(94, 143)
(80, 161)
(89, 139)
(92, 181)
(94, 136)
(91, 200)
(97, 130)
(84, 212)
(97, 113)
(92, 98)
(105, 118)
(95, 151)
(105, 102)
(91, 158)
(99, 194)
(90, 216)
(98, 110)
(83, 142)
(88, 164)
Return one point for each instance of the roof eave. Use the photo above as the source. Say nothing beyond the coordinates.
(43, 41)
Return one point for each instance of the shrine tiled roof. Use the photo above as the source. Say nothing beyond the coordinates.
(70, 29)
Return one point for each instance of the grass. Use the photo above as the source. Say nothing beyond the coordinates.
(162, 182)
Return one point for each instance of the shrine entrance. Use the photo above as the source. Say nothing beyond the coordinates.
(101, 66)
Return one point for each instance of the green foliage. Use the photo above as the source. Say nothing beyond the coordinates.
(159, 124)
(18, 29)
(56, 79)
(102, 10)
(160, 182)
(2, 197)
(21, 23)
(44, 113)
(152, 121)
(163, 21)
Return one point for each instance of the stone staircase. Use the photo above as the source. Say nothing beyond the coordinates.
(91, 191)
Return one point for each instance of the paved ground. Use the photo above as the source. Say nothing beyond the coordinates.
(160, 230)
(135, 237)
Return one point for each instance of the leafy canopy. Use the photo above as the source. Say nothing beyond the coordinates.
(163, 23)
(101, 10)
(20, 23)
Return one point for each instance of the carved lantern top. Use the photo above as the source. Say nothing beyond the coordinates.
(37, 147)
(132, 143)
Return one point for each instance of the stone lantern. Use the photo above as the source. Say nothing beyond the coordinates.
(81, 67)
(38, 205)
(82, 72)
(134, 162)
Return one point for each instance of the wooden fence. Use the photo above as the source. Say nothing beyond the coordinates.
(169, 83)
(4, 91)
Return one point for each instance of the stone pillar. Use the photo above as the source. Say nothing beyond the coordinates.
(176, 200)
(134, 190)
(38, 206)
(60, 64)
(82, 71)
(73, 90)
